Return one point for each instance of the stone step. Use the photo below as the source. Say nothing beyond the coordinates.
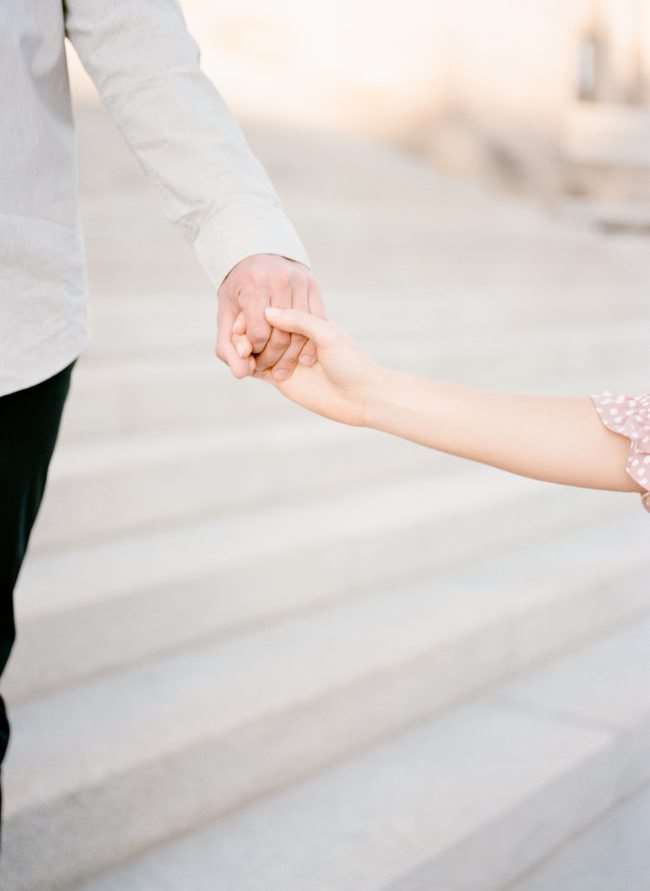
(613, 854)
(161, 589)
(126, 760)
(466, 800)
(142, 394)
(119, 484)
(335, 524)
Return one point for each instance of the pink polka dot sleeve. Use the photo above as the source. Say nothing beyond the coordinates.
(630, 416)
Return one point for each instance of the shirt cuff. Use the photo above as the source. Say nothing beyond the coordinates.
(245, 230)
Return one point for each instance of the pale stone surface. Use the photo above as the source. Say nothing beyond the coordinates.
(157, 479)
(358, 525)
(130, 717)
(607, 687)
(464, 802)
(141, 624)
(362, 824)
(410, 652)
(612, 855)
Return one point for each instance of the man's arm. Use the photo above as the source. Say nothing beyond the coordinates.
(146, 67)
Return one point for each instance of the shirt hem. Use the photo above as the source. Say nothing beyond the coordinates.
(44, 372)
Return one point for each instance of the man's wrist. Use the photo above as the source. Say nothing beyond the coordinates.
(246, 229)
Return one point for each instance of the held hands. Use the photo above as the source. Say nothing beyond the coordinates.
(338, 385)
(252, 285)
(271, 325)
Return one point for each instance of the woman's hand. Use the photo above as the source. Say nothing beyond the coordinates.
(339, 385)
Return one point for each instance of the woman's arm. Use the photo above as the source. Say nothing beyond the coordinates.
(556, 439)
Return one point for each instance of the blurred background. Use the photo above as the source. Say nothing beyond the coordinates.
(260, 651)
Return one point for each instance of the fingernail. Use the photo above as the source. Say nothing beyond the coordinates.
(272, 310)
(280, 374)
(306, 360)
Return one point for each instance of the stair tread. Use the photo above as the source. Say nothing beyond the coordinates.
(51, 582)
(132, 715)
(381, 819)
(611, 855)
(125, 630)
(98, 489)
(597, 686)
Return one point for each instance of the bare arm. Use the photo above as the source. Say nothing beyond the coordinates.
(551, 438)
(556, 439)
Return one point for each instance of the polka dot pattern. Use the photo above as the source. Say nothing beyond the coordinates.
(630, 416)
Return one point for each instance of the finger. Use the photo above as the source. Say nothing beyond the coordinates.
(274, 350)
(239, 337)
(279, 341)
(297, 321)
(316, 305)
(257, 328)
(240, 366)
(243, 345)
(286, 365)
(309, 354)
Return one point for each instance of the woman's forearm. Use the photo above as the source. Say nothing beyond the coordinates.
(556, 439)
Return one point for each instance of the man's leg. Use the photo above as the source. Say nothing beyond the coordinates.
(29, 425)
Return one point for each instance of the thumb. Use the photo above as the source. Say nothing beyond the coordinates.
(296, 321)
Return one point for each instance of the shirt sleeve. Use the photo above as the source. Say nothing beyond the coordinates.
(630, 416)
(146, 67)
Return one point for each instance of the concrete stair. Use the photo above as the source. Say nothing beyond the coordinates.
(184, 582)
(612, 854)
(466, 801)
(115, 742)
(153, 480)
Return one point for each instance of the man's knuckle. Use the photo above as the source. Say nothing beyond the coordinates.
(258, 275)
(301, 278)
(282, 277)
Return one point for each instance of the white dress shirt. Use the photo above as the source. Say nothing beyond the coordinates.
(145, 66)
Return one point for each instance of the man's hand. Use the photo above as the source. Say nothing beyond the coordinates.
(255, 283)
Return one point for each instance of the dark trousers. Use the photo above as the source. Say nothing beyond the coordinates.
(29, 425)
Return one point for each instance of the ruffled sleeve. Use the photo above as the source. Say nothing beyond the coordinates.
(630, 416)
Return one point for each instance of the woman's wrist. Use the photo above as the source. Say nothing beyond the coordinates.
(382, 397)
(433, 413)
